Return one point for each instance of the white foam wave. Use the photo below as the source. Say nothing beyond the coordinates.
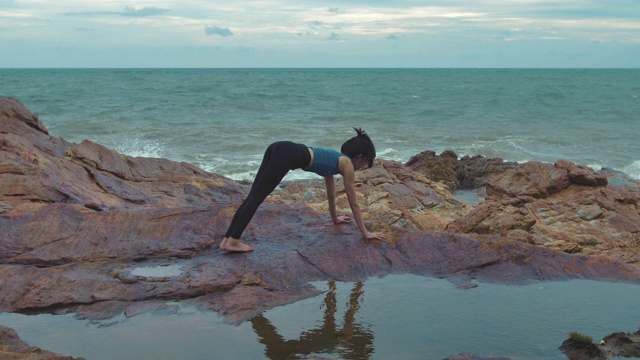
(595, 166)
(138, 147)
(633, 170)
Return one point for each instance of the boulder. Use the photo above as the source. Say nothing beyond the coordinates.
(575, 350)
(534, 179)
(614, 345)
(544, 204)
(437, 168)
(37, 168)
(479, 170)
(581, 175)
(620, 344)
(469, 172)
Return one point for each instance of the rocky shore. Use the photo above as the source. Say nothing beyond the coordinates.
(78, 220)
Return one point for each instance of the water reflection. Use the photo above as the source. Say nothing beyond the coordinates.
(352, 341)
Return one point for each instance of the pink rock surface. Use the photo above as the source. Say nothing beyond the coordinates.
(76, 220)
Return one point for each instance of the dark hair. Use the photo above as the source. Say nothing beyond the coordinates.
(360, 145)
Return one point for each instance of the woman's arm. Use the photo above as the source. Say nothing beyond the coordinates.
(331, 199)
(348, 175)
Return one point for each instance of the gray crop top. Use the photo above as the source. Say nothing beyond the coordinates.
(325, 161)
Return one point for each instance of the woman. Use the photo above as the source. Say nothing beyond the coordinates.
(282, 156)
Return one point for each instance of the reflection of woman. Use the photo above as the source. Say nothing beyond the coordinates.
(282, 156)
(353, 341)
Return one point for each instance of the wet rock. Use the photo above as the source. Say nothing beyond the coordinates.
(13, 348)
(618, 178)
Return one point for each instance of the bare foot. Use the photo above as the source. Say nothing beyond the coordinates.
(234, 245)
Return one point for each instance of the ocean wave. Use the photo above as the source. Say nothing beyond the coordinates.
(138, 147)
(633, 170)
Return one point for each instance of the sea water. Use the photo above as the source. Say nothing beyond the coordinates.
(222, 120)
(395, 317)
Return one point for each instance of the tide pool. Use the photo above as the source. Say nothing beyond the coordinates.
(395, 317)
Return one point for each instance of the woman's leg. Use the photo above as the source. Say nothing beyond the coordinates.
(275, 165)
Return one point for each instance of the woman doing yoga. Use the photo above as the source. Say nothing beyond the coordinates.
(282, 156)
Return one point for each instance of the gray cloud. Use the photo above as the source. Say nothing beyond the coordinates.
(214, 30)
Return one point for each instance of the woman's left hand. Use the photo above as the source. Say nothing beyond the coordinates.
(344, 219)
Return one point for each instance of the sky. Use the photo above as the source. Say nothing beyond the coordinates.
(315, 33)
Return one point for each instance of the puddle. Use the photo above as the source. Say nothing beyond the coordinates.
(469, 197)
(158, 271)
(396, 317)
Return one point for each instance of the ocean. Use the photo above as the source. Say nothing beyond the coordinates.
(223, 119)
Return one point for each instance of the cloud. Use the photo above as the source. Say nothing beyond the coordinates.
(214, 30)
(128, 11)
(401, 30)
(145, 11)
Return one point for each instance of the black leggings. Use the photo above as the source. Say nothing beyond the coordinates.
(279, 158)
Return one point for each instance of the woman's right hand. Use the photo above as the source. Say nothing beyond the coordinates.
(376, 235)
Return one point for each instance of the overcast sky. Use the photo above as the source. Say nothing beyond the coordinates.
(315, 33)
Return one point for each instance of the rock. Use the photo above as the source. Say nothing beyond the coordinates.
(466, 173)
(37, 168)
(622, 344)
(618, 178)
(437, 168)
(76, 220)
(478, 170)
(393, 194)
(534, 179)
(561, 214)
(581, 175)
(13, 348)
(617, 344)
(580, 351)
(13, 109)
